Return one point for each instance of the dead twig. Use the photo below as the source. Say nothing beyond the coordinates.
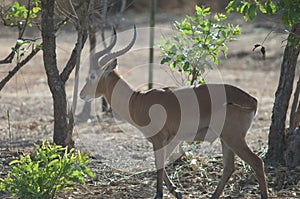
(9, 131)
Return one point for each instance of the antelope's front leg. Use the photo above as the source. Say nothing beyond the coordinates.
(170, 185)
(159, 155)
(159, 185)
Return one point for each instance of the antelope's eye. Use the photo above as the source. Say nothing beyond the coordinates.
(93, 76)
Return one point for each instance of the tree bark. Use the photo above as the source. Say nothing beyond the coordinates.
(277, 135)
(56, 85)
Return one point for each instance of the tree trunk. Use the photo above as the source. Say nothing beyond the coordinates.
(56, 84)
(277, 139)
(294, 115)
(87, 107)
(292, 157)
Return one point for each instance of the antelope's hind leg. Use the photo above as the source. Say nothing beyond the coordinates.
(228, 168)
(239, 147)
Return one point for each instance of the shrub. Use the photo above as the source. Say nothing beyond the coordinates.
(198, 39)
(50, 169)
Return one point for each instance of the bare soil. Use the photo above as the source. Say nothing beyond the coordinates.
(121, 159)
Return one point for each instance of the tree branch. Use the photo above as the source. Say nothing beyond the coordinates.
(21, 29)
(65, 74)
(18, 67)
(9, 58)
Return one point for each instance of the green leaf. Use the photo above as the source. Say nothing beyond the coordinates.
(252, 11)
(165, 60)
(216, 17)
(198, 9)
(186, 66)
(285, 19)
(39, 46)
(53, 162)
(220, 43)
(180, 58)
(233, 5)
(173, 64)
(236, 30)
(36, 9)
(53, 156)
(270, 7)
(89, 172)
(14, 162)
(201, 80)
(206, 11)
(222, 17)
(229, 8)
(262, 9)
(173, 49)
(21, 42)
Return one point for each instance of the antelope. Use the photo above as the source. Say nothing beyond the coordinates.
(167, 116)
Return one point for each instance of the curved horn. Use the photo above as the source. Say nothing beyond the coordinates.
(99, 54)
(114, 55)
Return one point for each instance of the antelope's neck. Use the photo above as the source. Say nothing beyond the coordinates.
(118, 93)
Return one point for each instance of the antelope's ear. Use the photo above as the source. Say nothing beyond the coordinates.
(110, 66)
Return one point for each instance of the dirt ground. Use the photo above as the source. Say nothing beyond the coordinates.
(121, 158)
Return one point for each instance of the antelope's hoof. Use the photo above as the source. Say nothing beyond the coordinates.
(178, 194)
(157, 197)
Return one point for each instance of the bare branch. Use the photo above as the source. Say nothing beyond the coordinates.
(9, 58)
(18, 67)
(67, 9)
(72, 60)
(22, 27)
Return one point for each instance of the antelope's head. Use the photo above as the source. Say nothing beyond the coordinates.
(100, 68)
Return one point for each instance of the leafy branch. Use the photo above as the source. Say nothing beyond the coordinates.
(288, 9)
(21, 17)
(199, 39)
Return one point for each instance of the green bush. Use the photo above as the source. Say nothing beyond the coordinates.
(198, 39)
(50, 169)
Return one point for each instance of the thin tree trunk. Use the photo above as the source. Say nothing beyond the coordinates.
(87, 107)
(293, 115)
(56, 85)
(277, 142)
(151, 45)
